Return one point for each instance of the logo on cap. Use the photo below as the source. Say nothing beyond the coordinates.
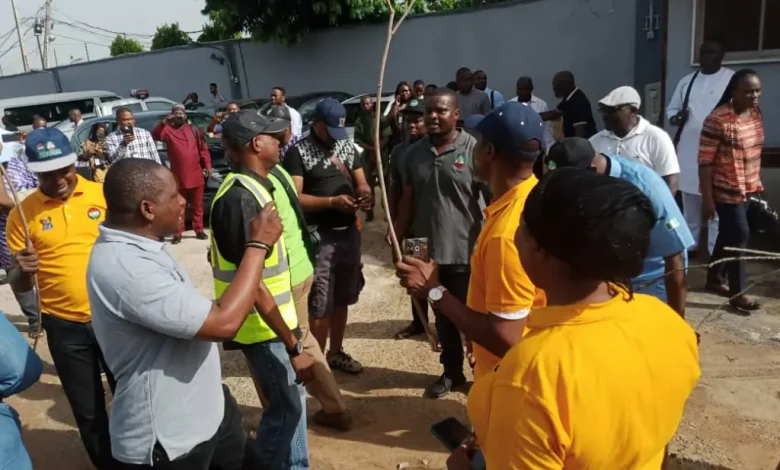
(413, 103)
(551, 165)
(93, 213)
(48, 151)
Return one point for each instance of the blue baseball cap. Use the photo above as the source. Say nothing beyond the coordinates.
(472, 121)
(510, 126)
(48, 150)
(334, 115)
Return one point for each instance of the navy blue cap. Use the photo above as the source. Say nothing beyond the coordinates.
(333, 114)
(48, 149)
(473, 121)
(510, 126)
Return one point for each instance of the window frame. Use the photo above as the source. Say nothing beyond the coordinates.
(744, 57)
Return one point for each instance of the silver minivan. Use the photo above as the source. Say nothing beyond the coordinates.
(53, 107)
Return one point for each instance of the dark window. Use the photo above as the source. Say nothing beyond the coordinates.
(747, 28)
(52, 112)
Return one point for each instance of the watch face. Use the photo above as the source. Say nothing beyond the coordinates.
(435, 294)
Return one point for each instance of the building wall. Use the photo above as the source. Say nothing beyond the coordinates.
(526, 37)
(679, 64)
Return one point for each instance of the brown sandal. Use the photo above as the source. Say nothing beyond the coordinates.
(745, 304)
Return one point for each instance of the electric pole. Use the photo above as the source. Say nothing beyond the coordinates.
(21, 42)
(86, 48)
(38, 30)
(46, 32)
(56, 62)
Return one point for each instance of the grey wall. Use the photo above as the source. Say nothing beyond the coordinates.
(595, 39)
(679, 64)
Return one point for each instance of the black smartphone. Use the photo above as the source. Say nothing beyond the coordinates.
(450, 432)
(127, 130)
(14, 137)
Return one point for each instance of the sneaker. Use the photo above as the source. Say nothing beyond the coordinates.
(443, 386)
(338, 421)
(201, 236)
(344, 362)
(176, 240)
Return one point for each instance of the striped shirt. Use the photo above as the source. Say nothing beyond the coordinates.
(284, 148)
(142, 147)
(732, 145)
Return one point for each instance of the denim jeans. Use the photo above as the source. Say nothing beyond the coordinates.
(281, 442)
(78, 361)
(733, 230)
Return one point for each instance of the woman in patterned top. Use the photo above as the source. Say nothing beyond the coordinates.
(92, 160)
(729, 164)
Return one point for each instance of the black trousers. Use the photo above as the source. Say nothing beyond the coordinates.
(456, 279)
(224, 451)
(734, 231)
(78, 361)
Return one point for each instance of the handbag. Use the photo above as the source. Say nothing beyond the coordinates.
(761, 217)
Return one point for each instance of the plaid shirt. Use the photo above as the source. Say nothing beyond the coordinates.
(732, 145)
(284, 148)
(142, 147)
(24, 180)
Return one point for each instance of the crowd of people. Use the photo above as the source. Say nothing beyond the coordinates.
(560, 260)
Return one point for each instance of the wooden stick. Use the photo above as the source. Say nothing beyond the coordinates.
(392, 28)
(28, 242)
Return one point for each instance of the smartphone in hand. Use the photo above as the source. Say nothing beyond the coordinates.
(416, 248)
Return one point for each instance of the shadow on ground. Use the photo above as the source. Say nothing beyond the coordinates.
(678, 463)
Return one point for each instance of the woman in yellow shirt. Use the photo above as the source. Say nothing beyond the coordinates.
(601, 378)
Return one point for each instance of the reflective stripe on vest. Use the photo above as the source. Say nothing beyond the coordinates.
(276, 271)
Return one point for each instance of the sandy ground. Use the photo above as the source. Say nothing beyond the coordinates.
(732, 421)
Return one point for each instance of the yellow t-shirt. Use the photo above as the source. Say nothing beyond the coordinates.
(590, 386)
(63, 233)
(499, 284)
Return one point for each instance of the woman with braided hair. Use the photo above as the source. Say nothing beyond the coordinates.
(602, 375)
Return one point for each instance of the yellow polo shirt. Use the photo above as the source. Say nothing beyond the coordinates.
(590, 386)
(499, 284)
(62, 233)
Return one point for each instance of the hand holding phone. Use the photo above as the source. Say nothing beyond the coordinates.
(13, 137)
(461, 442)
(416, 248)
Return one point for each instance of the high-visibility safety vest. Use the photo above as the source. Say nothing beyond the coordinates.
(276, 270)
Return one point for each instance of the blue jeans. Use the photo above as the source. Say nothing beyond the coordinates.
(281, 442)
(12, 449)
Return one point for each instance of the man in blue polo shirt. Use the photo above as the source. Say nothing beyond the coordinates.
(670, 238)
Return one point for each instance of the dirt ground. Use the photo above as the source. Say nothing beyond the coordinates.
(732, 420)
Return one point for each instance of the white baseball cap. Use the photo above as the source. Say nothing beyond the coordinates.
(624, 95)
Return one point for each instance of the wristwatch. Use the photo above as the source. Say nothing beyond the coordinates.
(436, 294)
(296, 350)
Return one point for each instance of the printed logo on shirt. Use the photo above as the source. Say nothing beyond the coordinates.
(672, 224)
(46, 224)
(460, 162)
(93, 213)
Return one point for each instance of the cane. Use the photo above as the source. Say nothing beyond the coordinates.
(28, 242)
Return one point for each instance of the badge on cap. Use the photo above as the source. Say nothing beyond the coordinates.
(414, 103)
(551, 165)
(93, 213)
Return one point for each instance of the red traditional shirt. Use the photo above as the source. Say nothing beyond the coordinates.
(188, 156)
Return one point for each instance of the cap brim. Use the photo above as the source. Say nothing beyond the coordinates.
(276, 125)
(52, 165)
(338, 133)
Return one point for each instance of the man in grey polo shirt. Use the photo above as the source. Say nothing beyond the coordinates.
(442, 201)
(158, 333)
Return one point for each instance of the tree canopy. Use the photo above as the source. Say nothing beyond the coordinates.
(217, 29)
(288, 21)
(169, 35)
(122, 45)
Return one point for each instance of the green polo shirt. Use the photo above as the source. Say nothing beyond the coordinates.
(300, 265)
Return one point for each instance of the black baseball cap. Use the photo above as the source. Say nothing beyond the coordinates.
(334, 115)
(243, 126)
(415, 106)
(279, 111)
(574, 152)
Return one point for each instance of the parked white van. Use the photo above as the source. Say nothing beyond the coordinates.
(54, 107)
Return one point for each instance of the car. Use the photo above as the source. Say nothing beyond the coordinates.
(352, 105)
(148, 120)
(305, 104)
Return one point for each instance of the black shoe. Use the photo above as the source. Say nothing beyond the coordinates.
(443, 386)
(370, 215)
(201, 236)
(176, 240)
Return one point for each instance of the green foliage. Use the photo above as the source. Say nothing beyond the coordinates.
(169, 35)
(122, 45)
(288, 21)
(217, 29)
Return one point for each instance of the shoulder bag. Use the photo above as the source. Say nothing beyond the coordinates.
(678, 134)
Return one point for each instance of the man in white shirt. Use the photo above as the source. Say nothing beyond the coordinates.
(525, 88)
(704, 88)
(279, 97)
(631, 136)
(75, 117)
(216, 98)
(480, 83)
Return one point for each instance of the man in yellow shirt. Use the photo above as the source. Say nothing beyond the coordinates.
(500, 295)
(63, 217)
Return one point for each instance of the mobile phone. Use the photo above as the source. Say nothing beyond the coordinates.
(14, 137)
(127, 130)
(450, 432)
(416, 248)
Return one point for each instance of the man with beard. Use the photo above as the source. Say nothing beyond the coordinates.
(442, 202)
(414, 116)
(190, 163)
